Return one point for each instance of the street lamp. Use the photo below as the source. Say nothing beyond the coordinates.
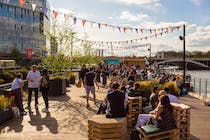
(183, 38)
(150, 55)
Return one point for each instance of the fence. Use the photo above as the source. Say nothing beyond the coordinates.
(201, 87)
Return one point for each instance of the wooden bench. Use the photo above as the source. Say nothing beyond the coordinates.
(182, 118)
(134, 109)
(182, 132)
(102, 128)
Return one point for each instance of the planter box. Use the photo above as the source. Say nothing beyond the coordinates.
(57, 87)
(5, 115)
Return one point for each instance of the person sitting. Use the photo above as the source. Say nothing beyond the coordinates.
(172, 98)
(154, 98)
(137, 92)
(116, 102)
(162, 116)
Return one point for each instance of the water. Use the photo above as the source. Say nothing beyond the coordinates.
(200, 81)
(200, 73)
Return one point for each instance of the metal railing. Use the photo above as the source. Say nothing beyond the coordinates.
(200, 86)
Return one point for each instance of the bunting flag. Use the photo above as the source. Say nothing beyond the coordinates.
(44, 10)
(102, 43)
(33, 6)
(55, 14)
(21, 3)
(75, 20)
(83, 22)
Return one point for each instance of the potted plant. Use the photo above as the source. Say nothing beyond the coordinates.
(5, 110)
(57, 85)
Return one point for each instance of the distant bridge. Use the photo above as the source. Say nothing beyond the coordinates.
(190, 63)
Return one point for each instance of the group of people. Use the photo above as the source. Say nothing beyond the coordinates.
(36, 82)
(157, 108)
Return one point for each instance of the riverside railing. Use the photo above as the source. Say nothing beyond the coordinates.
(201, 86)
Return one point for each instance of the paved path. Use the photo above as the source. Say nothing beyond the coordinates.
(68, 117)
(200, 118)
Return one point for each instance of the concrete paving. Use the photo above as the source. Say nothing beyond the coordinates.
(68, 117)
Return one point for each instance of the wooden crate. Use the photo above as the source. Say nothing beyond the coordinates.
(134, 109)
(182, 117)
(102, 128)
(134, 105)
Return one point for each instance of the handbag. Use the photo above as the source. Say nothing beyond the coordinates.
(79, 84)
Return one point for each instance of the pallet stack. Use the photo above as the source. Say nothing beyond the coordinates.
(102, 128)
(134, 109)
(182, 116)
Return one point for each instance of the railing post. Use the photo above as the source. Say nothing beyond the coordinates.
(200, 87)
(194, 86)
(206, 88)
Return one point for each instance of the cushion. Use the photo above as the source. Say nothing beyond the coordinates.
(150, 129)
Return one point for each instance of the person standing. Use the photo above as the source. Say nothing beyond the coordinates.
(17, 85)
(89, 80)
(33, 78)
(82, 73)
(44, 88)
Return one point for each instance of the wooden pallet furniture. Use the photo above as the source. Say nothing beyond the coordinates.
(182, 117)
(134, 109)
(102, 128)
(150, 132)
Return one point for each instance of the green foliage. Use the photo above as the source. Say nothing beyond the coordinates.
(7, 76)
(5, 102)
(56, 63)
(148, 85)
(57, 77)
(16, 55)
(24, 71)
(173, 89)
(1, 81)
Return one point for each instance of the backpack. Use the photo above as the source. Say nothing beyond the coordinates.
(44, 82)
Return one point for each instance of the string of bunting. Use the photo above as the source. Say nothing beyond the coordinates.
(99, 24)
(114, 43)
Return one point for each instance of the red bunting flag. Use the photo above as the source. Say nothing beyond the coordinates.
(124, 29)
(83, 22)
(55, 14)
(21, 3)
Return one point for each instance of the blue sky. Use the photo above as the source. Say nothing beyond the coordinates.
(144, 14)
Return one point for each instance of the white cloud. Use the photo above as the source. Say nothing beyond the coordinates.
(126, 15)
(138, 2)
(200, 38)
(196, 2)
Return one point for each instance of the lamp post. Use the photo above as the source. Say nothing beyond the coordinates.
(149, 55)
(183, 38)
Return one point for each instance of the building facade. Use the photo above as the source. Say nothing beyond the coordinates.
(23, 27)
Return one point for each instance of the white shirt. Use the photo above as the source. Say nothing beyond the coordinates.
(33, 79)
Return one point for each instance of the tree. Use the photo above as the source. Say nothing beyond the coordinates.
(61, 35)
(16, 55)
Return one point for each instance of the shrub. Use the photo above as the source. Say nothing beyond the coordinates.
(173, 89)
(7, 76)
(57, 77)
(24, 71)
(1, 81)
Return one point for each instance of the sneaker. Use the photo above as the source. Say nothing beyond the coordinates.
(28, 107)
(36, 106)
(45, 110)
(23, 113)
